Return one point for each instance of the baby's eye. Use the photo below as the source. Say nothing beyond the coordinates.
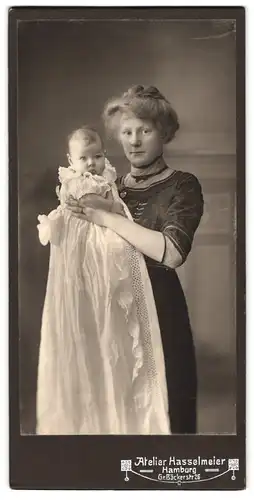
(127, 132)
(146, 131)
(99, 155)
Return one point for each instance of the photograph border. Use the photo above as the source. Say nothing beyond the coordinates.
(85, 462)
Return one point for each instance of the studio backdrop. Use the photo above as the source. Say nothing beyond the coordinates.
(67, 70)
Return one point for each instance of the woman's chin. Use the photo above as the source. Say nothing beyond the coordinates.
(138, 163)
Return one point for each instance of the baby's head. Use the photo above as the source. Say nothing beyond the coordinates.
(86, 152)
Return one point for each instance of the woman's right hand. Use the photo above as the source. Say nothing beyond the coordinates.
(97, 202)
(90, 201)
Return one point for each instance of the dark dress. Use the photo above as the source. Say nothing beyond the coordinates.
(173, 206)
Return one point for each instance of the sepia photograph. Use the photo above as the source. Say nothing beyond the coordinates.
(127, 192)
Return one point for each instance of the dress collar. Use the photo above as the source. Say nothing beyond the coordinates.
(130, 182)
(154, 168)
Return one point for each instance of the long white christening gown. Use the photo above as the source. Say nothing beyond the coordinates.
(101, 364)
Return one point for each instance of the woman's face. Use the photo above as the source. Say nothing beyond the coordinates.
(141, 140)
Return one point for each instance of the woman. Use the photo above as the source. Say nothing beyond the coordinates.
(166, 206)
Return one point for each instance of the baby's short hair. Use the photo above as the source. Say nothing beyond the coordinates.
(86, 134)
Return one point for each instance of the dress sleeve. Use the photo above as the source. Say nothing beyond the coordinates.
(171, 256)
(183, 214)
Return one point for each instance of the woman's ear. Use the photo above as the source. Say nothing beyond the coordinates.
(69, 159)
(165, 136)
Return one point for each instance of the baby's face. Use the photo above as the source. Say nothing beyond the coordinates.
(86, 158)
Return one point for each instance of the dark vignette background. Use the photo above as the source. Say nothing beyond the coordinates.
(66, 71)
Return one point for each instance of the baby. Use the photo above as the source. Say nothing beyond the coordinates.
(86, 151)
(89, 173)
(86, 156)
(101, 365)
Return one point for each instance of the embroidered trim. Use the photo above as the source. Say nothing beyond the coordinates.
(179, 229)
(151, 185)
(165, 248)
(177, 246)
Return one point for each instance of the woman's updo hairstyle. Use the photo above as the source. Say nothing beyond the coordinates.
(146, 103)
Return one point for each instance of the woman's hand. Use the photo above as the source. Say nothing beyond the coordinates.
(81, 210)
(95, 201)
(146, 241)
